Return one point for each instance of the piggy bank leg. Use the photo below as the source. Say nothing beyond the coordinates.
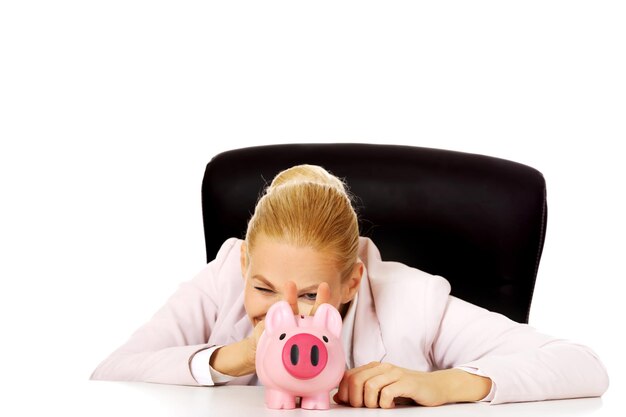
(277, 399)
(320, 401)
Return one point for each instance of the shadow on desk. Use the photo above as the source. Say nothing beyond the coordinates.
(137, 398)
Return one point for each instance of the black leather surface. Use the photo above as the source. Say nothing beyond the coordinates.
(478, 221)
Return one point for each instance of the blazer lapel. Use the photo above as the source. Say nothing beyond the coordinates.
(367, 342)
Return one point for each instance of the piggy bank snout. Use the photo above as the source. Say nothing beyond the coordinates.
(304, 356)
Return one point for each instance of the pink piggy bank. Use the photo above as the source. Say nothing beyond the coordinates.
(300, 356)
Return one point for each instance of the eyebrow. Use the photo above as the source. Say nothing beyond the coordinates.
(269, 284)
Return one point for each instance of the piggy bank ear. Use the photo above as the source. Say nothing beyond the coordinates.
(279, 316)
(327, 316)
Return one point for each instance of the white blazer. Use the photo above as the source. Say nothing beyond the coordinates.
(403, 316)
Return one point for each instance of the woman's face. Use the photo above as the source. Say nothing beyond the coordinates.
(272, 264)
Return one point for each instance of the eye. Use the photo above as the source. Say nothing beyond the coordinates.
(282, 336)
(310, 296)
(266, 290)
(325, 339)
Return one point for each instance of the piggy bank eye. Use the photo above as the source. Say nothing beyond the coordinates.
(325, 339)
(282, 336)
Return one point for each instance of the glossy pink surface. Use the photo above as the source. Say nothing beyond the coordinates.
(300, 356)
(304, 356)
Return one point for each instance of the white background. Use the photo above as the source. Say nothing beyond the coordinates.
(109, 112)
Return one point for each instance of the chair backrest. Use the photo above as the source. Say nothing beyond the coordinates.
(478, 221)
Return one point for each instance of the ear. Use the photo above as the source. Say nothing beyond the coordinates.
(327, 316)
(354, 282)
(279, 316)
(243, 259)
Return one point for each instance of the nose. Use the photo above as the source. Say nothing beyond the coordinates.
(304, 356)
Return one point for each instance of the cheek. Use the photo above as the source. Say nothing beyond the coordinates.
(249, 302)
(255, 303)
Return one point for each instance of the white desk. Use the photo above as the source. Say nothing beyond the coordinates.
(103, 398)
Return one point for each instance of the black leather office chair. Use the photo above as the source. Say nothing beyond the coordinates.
(478, 221)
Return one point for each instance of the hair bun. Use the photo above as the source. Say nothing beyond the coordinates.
(307, 173)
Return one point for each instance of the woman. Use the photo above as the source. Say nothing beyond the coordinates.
(405, 337)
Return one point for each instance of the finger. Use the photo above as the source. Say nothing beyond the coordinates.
(356, 379)
(359, 380)
(260, 327)
(343, 394)
(323, 296)
(258, 330)
(390, 392)
(291, 296)
(373, 387)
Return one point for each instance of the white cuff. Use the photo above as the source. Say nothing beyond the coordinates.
(203, 373)
(476, 371)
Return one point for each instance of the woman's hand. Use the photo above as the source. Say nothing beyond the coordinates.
(384, 385)
(238, 358)
(251, 343)
(291, 296)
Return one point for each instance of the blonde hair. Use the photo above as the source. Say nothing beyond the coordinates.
(307, 206)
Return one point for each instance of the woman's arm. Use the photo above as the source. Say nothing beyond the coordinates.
(524, 364)
(160, 350)
(460, 386)
(519, 363)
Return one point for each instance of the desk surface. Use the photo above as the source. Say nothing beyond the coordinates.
(104, 398)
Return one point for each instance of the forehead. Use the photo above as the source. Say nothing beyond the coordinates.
(279, 261)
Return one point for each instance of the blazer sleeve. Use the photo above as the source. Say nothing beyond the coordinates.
(160, 350)
(524, 364)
